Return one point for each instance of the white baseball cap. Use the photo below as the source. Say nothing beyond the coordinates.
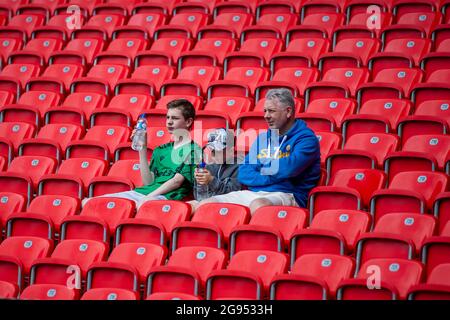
(217, 139)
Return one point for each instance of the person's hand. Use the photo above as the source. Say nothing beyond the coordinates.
(203, 177)
(145, 140)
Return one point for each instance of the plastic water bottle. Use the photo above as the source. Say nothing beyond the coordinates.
(202, 189)
(140, 134)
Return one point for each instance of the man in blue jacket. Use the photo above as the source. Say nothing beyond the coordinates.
(283, 164)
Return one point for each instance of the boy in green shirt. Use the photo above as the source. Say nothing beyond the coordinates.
(170, 175)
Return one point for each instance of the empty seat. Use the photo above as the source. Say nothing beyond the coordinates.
(248, 275)
(328, 141)
(186, 271)
(331, 269)
(437, 286)
(435, 252)
(98, 219)
(109, 294)
(15, 132)
(47, 292)
(419, 153)
(441, 209)
(310, 41)
(396, 276)
(72, 177)
(10, 202)
(362, 150)
(153, 222)
(270, 228)
(415, 125)
(412, 191)
(32, 166)
(396, 235)
(210, 226)
(332, 112)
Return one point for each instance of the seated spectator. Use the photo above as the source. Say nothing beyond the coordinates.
(170, 175)
(220, 173)
(283, 164)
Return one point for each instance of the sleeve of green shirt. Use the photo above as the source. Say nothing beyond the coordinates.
(154, 160)
(186, 169)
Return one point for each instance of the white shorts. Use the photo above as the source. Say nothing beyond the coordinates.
(245, 197)
(131, 195)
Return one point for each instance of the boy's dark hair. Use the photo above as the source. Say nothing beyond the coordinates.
(186, 107)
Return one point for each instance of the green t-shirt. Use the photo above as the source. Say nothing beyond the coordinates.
(167, 161)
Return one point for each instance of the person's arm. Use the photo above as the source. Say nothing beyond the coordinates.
(147, 176)
(172, 184)
(300, 157)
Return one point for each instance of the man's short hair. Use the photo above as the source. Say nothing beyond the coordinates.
(186, 107)
(282, 95)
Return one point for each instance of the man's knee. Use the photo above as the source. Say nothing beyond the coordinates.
(258, 203)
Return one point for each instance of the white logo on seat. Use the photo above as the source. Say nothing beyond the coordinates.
(110, 132)
(136, 167)
(160, 133)
(409, 221)
(236, 18)
(5, 43)
(108, 19)
(311, 43)
(374, 140)
(16, 128)
(388, 105)
(394, 267)
(343, 217)
(325, 18)
(261, 258)
(140, 251)
(87, 43)
(173, 43)
(156, 70)
(422, 17)
(349, 74)
(333, 104)
(223, 211)
(56, 202)
(51, 293)
(23, 69)
(434, 142)
(359, 176)
(4, 199)
(66, 69)
(249, 73)
(217, 43)
(29, 19)
(231, 102)
(444, 106)
(166, 208)
(111, 69)
(88, 99)
(42, 97)
(298, 73)
(282, 214)
(149, 18)
(326, 263)
(191, 18)
(111, 205)
(410, 44)
(133, 99)
(46, 44)
(421, 179)
(401, 74)
(34, 163)
(360, 44)
(112, 296)
(201, 72)
(84, 164)
(130, 43)
(264, 44)
(280, 19)
(28, 244)
(83, 247)
(201, 255)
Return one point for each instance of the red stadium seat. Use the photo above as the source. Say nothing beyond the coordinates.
(47, 292)
(9, 203)
(310, 41)
(32, 166)
(248, 275)
(186, 271)
(441, 209)
(211, 225)
(397, 276)
(437, 286)
(109, 294)
(412, 191)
